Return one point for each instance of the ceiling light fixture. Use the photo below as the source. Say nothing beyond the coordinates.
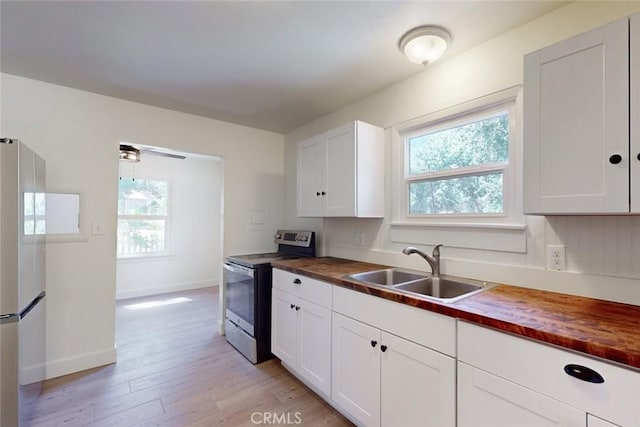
(129, 153)
(425, 44)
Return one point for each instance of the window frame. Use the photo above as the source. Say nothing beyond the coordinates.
(166, 218)
(450, 122)
(467, 231)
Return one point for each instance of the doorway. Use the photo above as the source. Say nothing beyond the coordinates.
(169, 222)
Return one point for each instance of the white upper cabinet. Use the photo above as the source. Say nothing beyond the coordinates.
(579, 157)
(634, 37)
(341, 173)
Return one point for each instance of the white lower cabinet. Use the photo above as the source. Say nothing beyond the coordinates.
(381, 379)
(418, 385)
(284, 327)
(301, 329)
(504, 380)
(383, 363)
(355, 379)
(485, 400)
(314, 345)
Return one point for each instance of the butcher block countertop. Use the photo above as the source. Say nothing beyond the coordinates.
(599, 328)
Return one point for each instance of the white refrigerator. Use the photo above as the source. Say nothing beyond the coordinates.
(22, 280)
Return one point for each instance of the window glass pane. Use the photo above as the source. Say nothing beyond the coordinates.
(140, 203)
(472, 144)
(476, 194)
(142, 197)
(141, 236)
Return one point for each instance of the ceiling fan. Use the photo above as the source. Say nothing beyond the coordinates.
(130, 153)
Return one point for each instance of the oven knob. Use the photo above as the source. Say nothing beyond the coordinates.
(304, 238)
(277, 236)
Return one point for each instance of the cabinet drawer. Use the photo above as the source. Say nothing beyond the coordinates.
(304, 287)
(541, 368)
(429, 329)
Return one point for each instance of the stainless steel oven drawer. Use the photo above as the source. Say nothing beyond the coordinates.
(241, 340)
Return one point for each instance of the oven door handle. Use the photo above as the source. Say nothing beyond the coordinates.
(239, 269)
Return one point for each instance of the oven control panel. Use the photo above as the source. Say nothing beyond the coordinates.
(293, 237)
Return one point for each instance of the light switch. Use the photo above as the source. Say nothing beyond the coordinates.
(97, 228)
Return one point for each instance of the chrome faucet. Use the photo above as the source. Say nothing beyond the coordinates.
(434, 261)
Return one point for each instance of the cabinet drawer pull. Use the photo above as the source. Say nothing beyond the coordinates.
(374, 343)
(297, 281)
(583, 373)
(615, 159)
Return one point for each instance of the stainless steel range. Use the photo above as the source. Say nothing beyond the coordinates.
(247, 281)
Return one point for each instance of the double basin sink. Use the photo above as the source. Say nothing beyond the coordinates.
(443, 288)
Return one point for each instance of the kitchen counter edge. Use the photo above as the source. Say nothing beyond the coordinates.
(598, 328)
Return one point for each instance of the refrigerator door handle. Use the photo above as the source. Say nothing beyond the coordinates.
(32, 304)
(9, 318)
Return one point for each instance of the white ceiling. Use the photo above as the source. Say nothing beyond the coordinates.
(273, 65)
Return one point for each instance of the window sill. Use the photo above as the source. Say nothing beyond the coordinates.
(145, 257)
(466, 225)
(507, 237)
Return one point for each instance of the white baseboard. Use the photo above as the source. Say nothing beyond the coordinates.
(163, 289)
(81, 362)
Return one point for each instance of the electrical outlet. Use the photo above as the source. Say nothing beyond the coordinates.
(556, 259)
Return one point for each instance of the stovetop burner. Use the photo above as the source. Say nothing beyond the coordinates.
(260, 260)
(291, 245)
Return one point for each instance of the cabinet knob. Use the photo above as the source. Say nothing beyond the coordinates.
(374, 343)
(324, 193)
(583, 373)
(383, 348)
(297, 281)
(297, 307)
(638, 156)
(293, 305)
(317, 193)
(615, 159)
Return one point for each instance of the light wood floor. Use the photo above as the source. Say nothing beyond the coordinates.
(174, 369)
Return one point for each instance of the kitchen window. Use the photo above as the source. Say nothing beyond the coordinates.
(458, 166)
(143, 217)
(456, 174)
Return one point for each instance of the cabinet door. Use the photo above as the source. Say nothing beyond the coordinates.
(310, 177)
(485, 400)
(355, 379)
(314, 345)
(340, 180)
(576, 117)
(418, 385)
(283, 327)
(635, 112)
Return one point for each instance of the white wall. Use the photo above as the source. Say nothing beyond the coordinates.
(78, 134)
(195, 229)
(602, 252)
